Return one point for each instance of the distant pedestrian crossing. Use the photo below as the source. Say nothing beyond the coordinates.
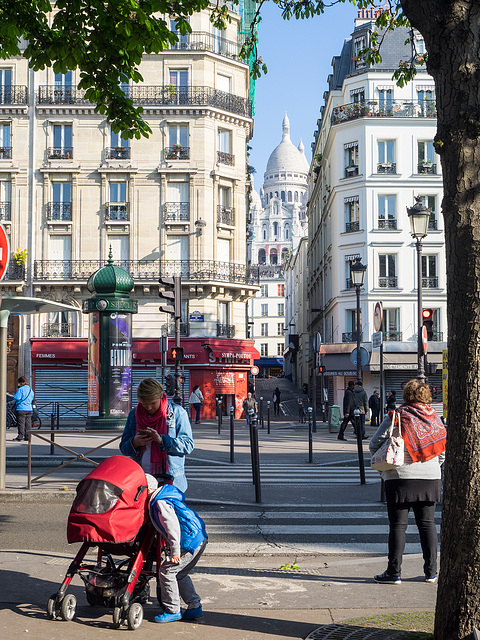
(272, 474)
(333, 529)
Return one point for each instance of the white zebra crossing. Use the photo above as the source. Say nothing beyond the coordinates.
(271, 474)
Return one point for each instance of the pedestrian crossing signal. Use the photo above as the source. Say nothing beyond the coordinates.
(177, 353)
(170, 385)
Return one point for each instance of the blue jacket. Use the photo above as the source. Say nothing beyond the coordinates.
(192, 527)
(177, 442)
(24, 398)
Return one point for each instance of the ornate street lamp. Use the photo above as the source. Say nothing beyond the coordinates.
(419, 215)
(357, 272)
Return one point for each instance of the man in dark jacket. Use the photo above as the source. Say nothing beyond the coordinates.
(361, 403)
(348, 409)
(374, 404)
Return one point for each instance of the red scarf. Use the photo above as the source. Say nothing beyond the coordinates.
(422, 430)
(157, 421)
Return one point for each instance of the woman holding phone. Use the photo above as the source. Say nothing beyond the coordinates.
(158, 434)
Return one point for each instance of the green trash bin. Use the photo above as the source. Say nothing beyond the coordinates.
(334, 419)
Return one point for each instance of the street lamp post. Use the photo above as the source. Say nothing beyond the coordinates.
(358, 276)
(419, 215)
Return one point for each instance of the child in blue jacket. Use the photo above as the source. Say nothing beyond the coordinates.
(185, 536)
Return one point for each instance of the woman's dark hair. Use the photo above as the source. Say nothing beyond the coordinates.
(416, 391)
(195, 388)
(22, 380)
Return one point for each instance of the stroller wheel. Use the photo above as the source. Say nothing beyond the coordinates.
(68, 607)
(135, 616)
(52, 607)
(117, 617)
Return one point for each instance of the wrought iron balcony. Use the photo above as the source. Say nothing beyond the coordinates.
(59, 153)
(351, 171)
(349, 284)
(177, 152)
(169, 329)
(14, 271)
(351, 336)
(432, 223)
(430, 282)
(59, 211)
(271, 270)
(5, 211)
(203, 41)
(225, 215)
(117, 211)
(376, 108)
(389, 223)
(117, 153)
(5, 153)
(190, 270)
(388, 283)
(226, 330)
(437, 336)
(58, 330)
(352, 226)
(13, 94)
(225, 158)
(165, 95)
(392, 336)
(427, 167)
(176, 211)
(387, 167)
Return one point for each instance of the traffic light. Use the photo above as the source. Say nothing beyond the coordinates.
(321, 369)
(170, 384)
(177, 353)
(427, 317)
(171, 292)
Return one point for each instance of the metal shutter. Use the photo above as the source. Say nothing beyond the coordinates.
(68, 387)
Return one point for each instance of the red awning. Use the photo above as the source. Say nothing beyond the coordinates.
(232, 350)
(49, 349)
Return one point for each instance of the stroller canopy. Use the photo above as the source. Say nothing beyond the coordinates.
(111, 503)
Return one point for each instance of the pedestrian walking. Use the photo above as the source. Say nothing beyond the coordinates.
(185, 537)
(374, 404)
(361, 403)
(23, 399)
(348, 409)
(416, 484)
(301, 411)
(196, 401)
(158, 434)
(249, 403)
(276, 401)
(392, 401)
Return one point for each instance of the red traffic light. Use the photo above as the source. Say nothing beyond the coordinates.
(177, 353)
(427, 314)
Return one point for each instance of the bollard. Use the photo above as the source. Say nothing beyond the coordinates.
(232, 436)
(314, 419)
(219, 417)
(310, 435)
(52, 435)
(358, 428)
(261, 412)
(58, 415)
(255, 459)
(268, 417)
(251, 415)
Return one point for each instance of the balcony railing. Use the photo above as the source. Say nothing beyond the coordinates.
(388, 283)
(59, 211)
(14, 271)
(176, 211)
(430, 282)
(169, 329)
(432, 224)
(387, 167)
(390, 223)
(155, 96)
(437, 336)
(117, 153)
(5, 153)
(392, 336)
(5, 211)
(351, 336)
(203, 41)
(225, 158)
(352, 226)
(117, 211)
(190, 270)
(349, 284)
(13, 94)
(226, 330)
(375, 108)
(271, 270)
(177, 152)
(351, 171)
(225, 215)
(427, 167)
(59, 153)
(57, 330)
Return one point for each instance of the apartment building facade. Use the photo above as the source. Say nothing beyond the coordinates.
(173, 204)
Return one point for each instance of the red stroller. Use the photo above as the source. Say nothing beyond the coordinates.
(110, 512)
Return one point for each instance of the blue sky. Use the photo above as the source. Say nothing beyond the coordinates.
(298, 54)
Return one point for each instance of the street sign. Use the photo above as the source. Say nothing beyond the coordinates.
(377, 339)
(424, 340)
(377, 316)
(254, 371)
(4, 251)
(364, 357)
(317, 341)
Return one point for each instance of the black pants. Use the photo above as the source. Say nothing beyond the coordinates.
(345, 421)
(24, 423)
(374, 421)
(425, 519)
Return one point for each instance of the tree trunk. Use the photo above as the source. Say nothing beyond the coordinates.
(451, 29)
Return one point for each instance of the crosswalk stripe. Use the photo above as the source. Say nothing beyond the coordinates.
(272, 473)
(296, 515)
(287, 529)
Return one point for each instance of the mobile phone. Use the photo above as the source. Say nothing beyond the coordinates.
(143, 432)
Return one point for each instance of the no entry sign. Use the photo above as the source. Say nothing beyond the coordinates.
(4, 251)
